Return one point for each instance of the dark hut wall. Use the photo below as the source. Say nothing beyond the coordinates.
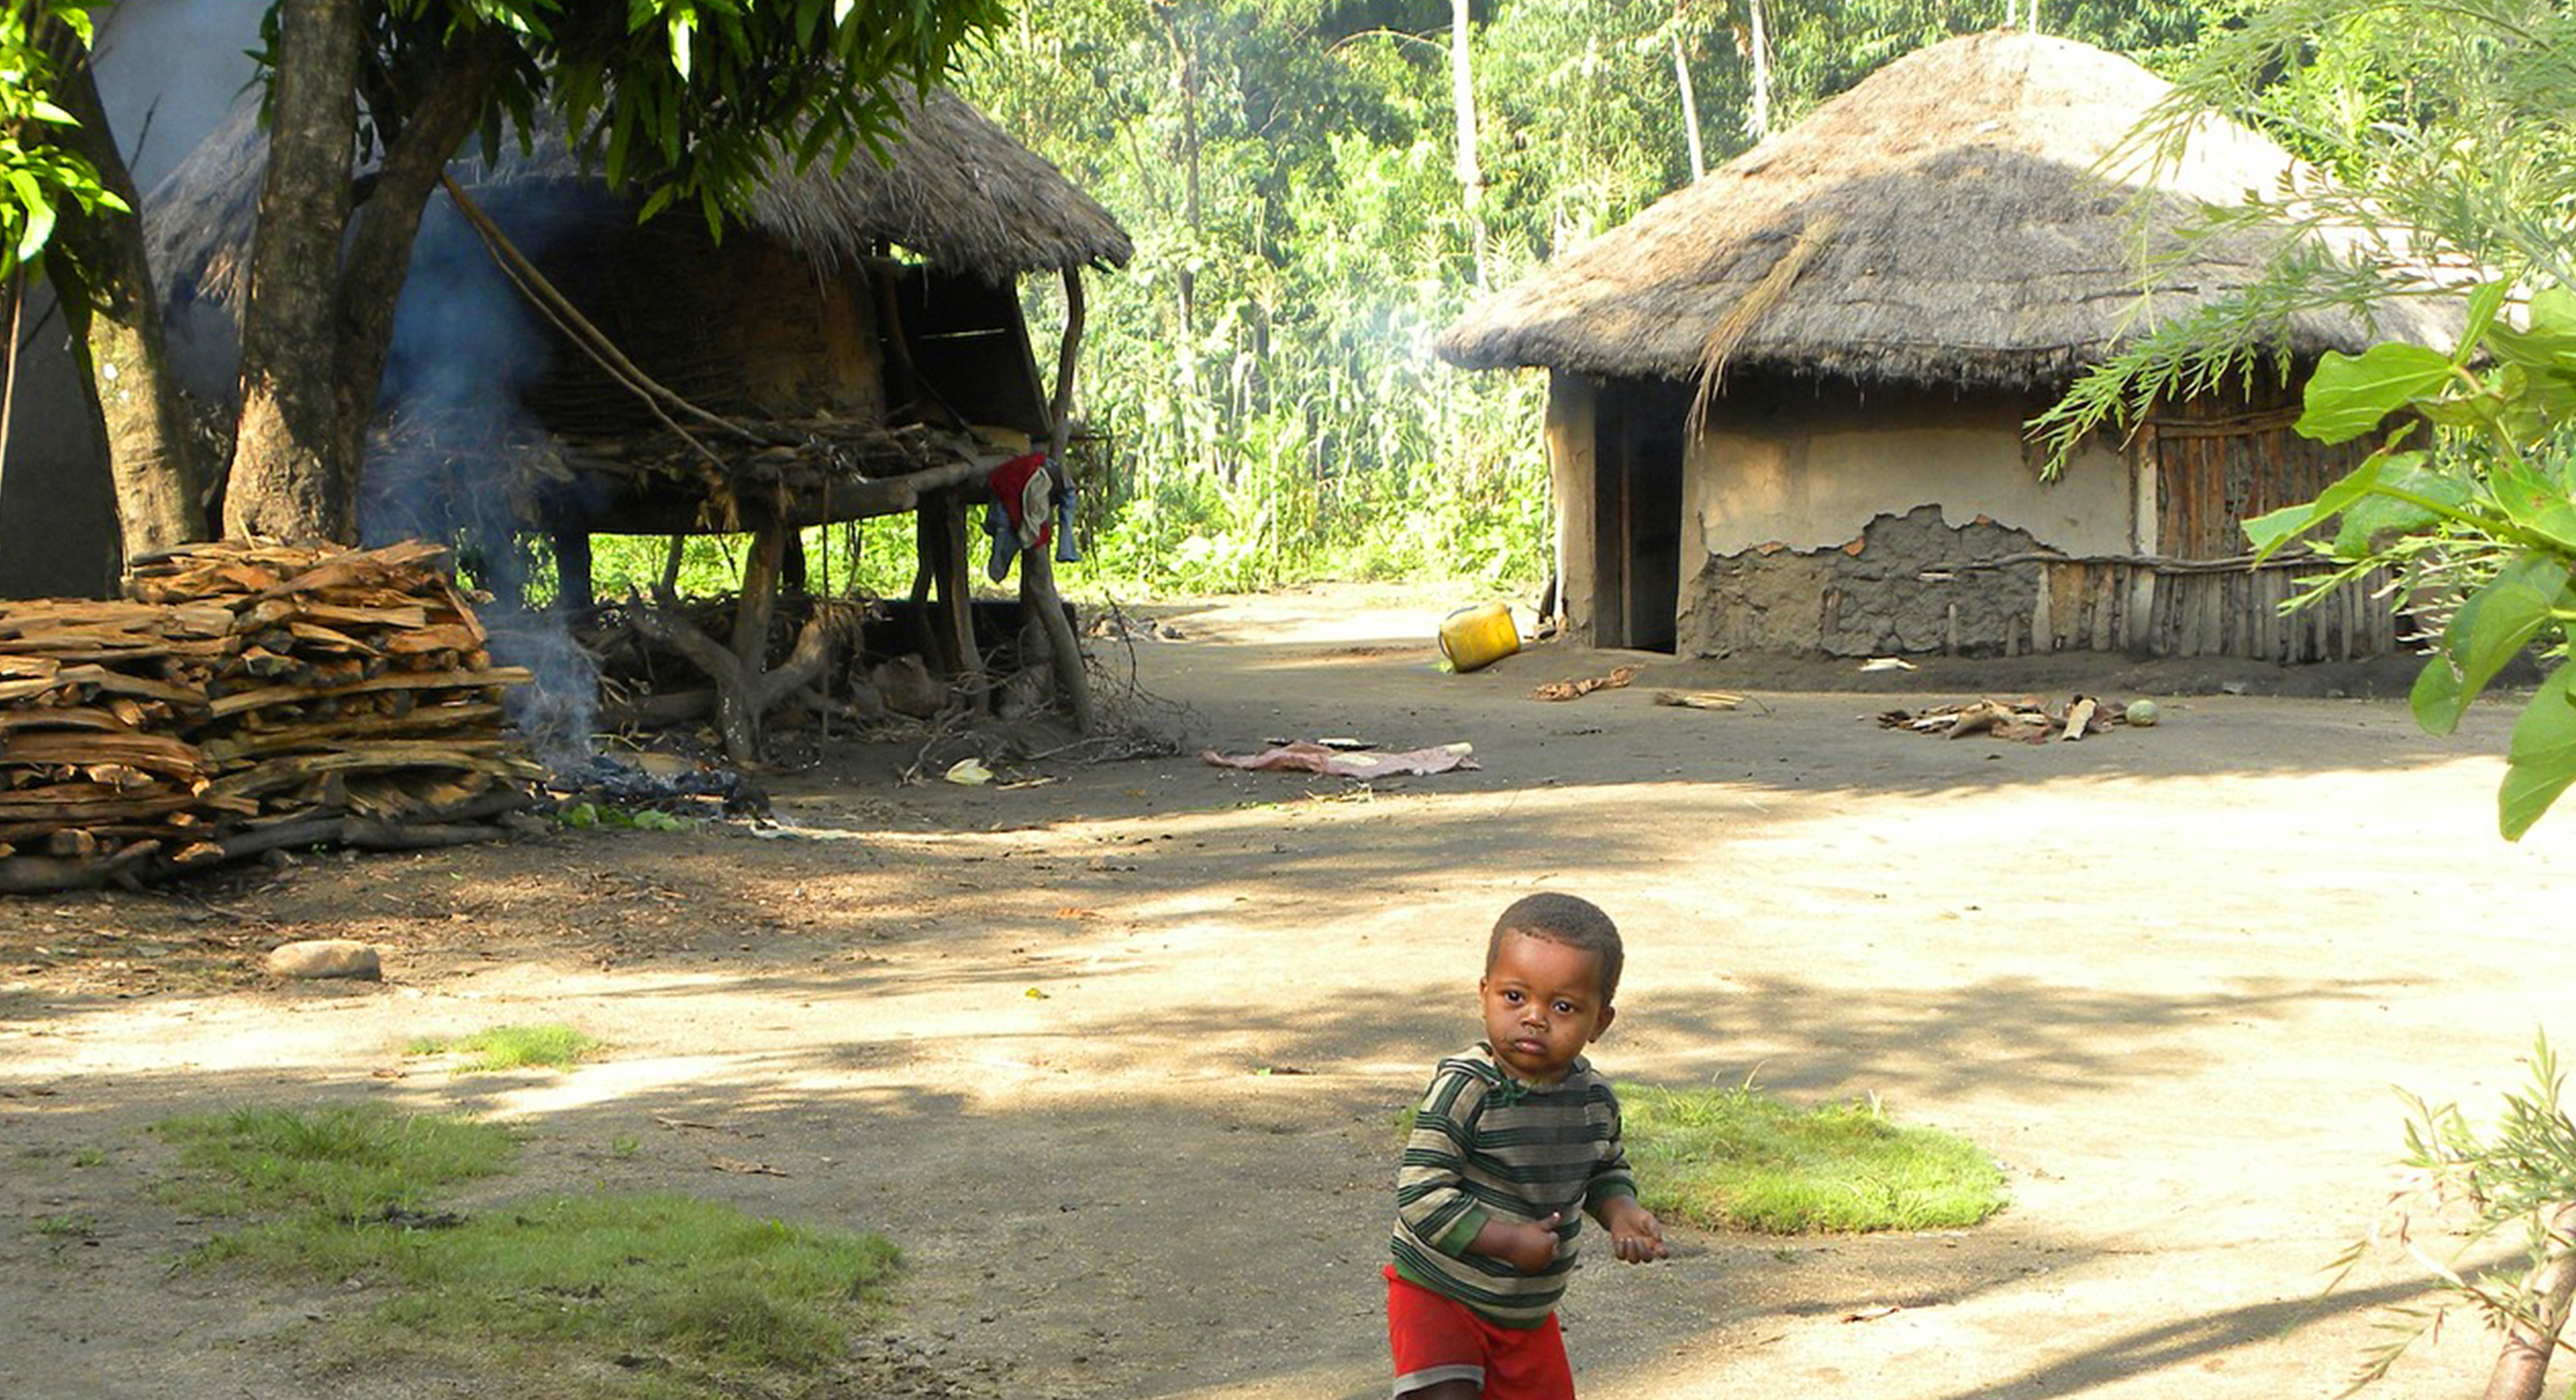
(743, 326)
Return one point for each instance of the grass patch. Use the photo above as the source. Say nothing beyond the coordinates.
(1740, 1159)
(65, 1228)
(606, 1294)
(340, 1164)
(704, 1287)
(510, 1047)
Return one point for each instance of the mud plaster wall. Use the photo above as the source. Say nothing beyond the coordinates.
(1809, 468)
(1570, 462)
(1869, 597)
(1820, 510)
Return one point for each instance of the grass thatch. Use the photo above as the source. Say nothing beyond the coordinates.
(961, 194)
(1973, 238)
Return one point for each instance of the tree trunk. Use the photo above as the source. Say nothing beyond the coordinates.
(1185, 352)
(113, 309)
(2523, 1366)
(287, 479)
(318, 323)
(1757, 119)
(1462, 96)
(388, 223)
(1690, 106)
(1038, 595)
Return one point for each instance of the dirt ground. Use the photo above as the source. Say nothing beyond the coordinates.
(2167, 976)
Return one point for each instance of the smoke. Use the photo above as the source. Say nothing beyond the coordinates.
(459, 456)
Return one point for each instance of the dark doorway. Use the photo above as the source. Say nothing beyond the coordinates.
(1637, 512)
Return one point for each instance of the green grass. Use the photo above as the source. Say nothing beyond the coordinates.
(1739, 1159)
(510, 1047)
(339, 1163)
(602, 1294)
(696, 1281)
(65, 1228)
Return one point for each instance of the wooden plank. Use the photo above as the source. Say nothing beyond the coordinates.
(487, 678)
(278, 774)
(140, 750)
(276, 610)
(100, 804)
(446, 636)
(100, 678)
(431, 718)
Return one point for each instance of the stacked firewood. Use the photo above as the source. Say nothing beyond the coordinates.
(248, 697)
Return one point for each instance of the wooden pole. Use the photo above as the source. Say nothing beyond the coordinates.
(956, 580)
(1037, 568)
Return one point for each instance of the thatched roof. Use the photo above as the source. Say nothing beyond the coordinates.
(1942, 223)
(961, 194)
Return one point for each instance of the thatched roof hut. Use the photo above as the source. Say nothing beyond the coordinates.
(958, 193)
(1893, 287)
(1955, 227)
(857, 342)
(855, 308)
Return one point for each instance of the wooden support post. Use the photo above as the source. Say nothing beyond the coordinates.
(2143, 539)
(791, 568)
(1037, 570)
(760, 564)
(956, 584)
(930, 545)
(572, 570)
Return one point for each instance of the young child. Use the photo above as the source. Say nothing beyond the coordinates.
(1515, 1138)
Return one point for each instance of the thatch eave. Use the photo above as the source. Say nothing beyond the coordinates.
(959, 193)
(1947, 223)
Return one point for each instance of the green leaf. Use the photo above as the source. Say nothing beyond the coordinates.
(2548, 341)
(2490, 629)
(2542, 760)
(2349, 395)
(2273, 529)
(2537, 502)
(2537, 399)
(2436, 694)
(2381, 512)
(2483, 306)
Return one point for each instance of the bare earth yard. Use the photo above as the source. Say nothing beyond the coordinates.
(2167, 976)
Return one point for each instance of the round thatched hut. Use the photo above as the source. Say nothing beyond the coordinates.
(1889, 291)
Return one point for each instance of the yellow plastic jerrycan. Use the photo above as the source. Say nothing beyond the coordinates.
(1478, 636)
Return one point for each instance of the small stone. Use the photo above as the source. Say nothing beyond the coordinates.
(327, 957)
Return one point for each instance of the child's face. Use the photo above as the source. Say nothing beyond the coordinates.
(1542, 1003)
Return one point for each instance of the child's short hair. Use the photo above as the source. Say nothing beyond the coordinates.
(1563, 918)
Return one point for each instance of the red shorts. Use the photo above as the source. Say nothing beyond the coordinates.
(1437, 1338)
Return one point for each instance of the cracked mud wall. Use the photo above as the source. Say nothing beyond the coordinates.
(1870, 596)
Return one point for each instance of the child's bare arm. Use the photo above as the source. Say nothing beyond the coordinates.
(1636, 1236)
(1526, 1245)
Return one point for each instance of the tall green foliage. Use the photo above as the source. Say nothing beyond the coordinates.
(38, 179)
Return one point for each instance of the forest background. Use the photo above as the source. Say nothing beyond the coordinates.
(1307, 217)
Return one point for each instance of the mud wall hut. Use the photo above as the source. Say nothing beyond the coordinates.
(1878, 300)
